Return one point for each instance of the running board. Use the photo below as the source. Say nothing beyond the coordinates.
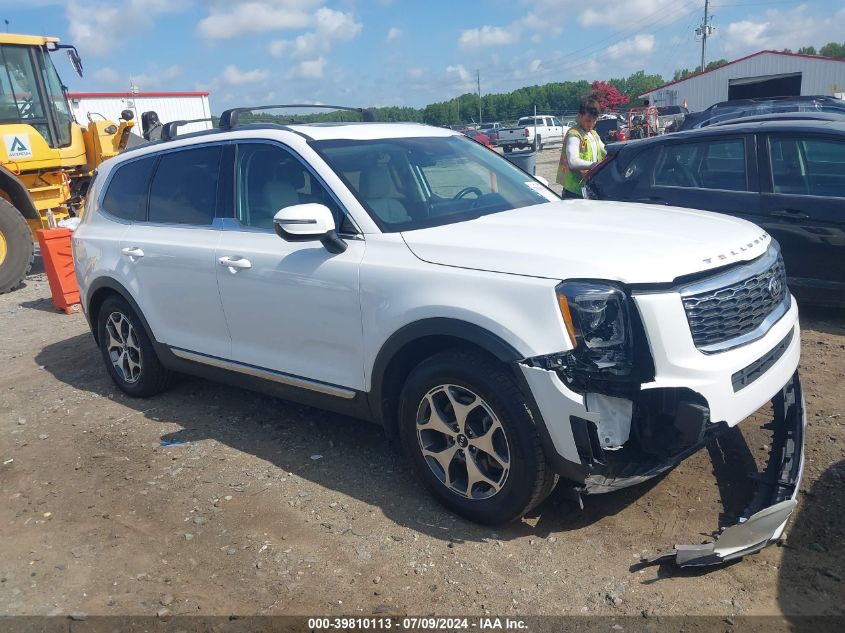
(266, 374)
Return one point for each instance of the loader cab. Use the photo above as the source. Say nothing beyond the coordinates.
(31, 92)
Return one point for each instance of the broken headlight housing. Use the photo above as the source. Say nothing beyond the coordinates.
(598, 320)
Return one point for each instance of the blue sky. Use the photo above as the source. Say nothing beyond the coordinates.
(399, 52)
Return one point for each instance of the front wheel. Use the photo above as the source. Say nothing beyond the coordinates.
(467, 427)
(16, 248)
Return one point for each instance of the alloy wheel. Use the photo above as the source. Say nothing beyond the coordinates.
(123, 347)
(463, 442)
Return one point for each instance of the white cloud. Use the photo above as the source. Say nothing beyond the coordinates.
(108, 76)
(337, 25)
(227, 20)
(234, 76)
(415, 73)
(792, 28)
(641, 44)
(460, 71)
(535, 65)
(308, 69)
(278, 47)
(155, 78)
(393, 33)
(98, 29)
(487, 36)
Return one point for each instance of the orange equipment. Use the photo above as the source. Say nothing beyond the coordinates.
(57, 255)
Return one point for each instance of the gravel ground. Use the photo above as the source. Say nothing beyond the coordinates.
(273, 508)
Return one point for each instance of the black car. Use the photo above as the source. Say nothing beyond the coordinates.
(786, 176)
(741, 108)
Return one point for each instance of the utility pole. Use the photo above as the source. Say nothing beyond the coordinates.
(478, 78)
(704, 31)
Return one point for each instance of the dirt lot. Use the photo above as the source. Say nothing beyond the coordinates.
(273, 508)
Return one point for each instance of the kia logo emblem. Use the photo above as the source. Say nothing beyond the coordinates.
(775, 287)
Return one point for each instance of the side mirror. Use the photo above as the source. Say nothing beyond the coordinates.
(542, 180)
(306, 222)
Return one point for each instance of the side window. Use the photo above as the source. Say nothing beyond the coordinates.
(636, 169)
(556, 122)
(711, 165)
(269, 178)
(184, 189)
(126, 196)
(807, 166)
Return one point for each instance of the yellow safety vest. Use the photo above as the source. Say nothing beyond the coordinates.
(571, 178)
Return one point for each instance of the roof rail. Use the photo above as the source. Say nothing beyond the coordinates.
(169, 130)
(229, 118)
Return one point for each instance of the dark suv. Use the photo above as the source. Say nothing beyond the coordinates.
(786, 176)
(740, 108)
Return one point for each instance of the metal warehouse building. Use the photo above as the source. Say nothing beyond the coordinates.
(170, 106)
(763, 74)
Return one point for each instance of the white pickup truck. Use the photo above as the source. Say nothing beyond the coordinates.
(533, 132)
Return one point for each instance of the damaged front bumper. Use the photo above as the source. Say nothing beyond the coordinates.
(764, 520)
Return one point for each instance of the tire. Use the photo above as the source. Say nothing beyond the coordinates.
(17, 251)
(137, 369)
(507, 149)
(538, 143)
(496, 417)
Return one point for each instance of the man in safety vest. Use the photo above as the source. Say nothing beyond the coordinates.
(582, 149)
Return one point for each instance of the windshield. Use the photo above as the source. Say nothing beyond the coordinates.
(411, 183)
(21, 99)
(56, 100)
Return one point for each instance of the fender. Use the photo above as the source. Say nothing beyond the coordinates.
(107, 282)
(436, 326)
(18, 194)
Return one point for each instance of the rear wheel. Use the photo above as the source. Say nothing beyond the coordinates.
(128, 352)
(16, 248)
(466, 426)
(538, 143)
(507, 149)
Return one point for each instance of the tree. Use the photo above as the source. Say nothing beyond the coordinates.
(686, 72)
(832, 49)
(807, 50)
(608, 97)
(636, 84)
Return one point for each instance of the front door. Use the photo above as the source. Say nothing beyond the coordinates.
(292, 307)
(717, 174)
(803, 202)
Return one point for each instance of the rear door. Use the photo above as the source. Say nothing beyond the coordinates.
(804, 201)
(716, 174)
(170, 253)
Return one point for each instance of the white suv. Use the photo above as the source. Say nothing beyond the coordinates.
(406, 275)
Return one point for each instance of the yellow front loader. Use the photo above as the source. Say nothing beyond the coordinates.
(47, 159)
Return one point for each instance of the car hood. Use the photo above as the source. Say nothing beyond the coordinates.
(627, 242)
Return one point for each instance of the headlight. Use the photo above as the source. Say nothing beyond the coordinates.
(597, 320)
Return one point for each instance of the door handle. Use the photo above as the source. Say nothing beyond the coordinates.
(234, 263)
(790, 214)
(132, 251)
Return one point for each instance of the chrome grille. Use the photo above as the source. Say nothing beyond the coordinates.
(752, 298)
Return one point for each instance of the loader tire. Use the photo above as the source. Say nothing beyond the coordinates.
(17, 251)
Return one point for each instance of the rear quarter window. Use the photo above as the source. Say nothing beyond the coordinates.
(126, 194)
